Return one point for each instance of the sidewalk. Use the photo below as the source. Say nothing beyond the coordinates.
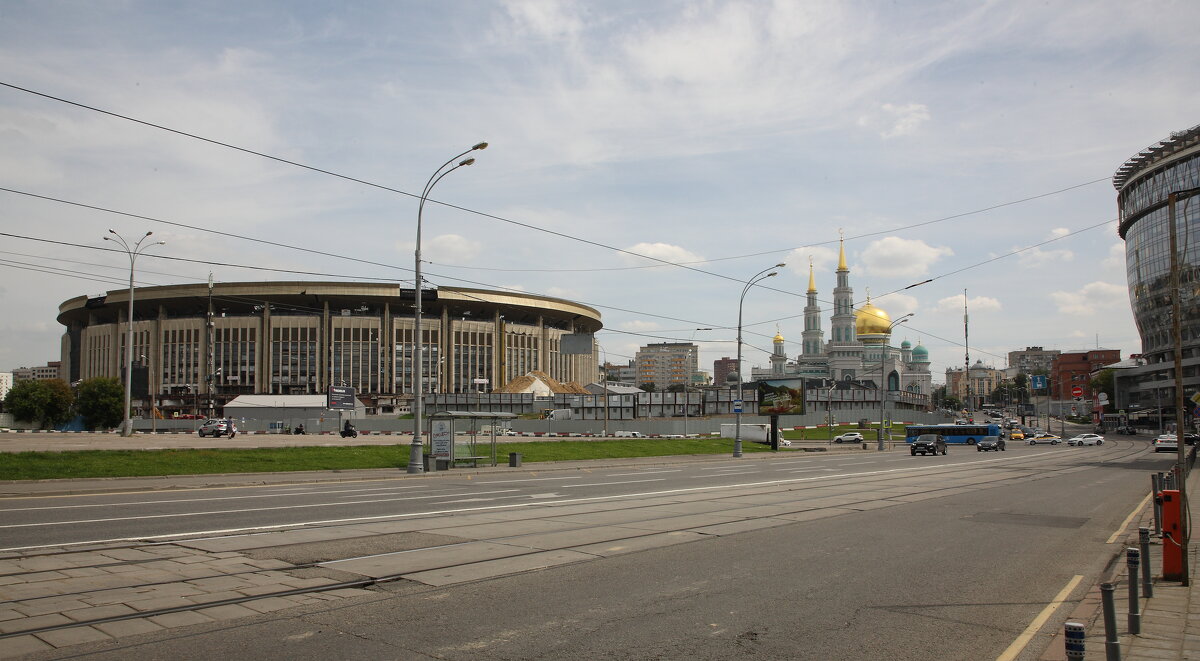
(1170, 620)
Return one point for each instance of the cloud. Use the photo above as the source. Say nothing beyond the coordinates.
(1059, 232)
(952, 304)
(1116, 257)
(897, 305)
(1091, 298)
(564, 293)
(1038, 257)
(639, 326)
(452, 249)
(824, 259)
(664, 251)
(896, 120)
(893, 256)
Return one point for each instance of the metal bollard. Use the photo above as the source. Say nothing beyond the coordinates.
(1073, 637)
(1144, 544)
(1112, 647)
(1135, 613)
(1156, 487)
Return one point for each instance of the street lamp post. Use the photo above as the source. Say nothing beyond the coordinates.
(687, 388)
(882, 379)
(758, 277)
(133, 252)
(414, 456)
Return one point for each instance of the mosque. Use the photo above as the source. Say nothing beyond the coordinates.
(859, 343)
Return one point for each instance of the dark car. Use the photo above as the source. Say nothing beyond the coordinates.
(928, 444)
(990, 443)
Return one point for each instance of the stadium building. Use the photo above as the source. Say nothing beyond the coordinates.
(201, 346)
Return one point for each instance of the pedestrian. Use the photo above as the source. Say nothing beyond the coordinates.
(232, 429)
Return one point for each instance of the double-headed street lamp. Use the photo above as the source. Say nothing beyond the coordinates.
(133, 252)
(882, 379)
(414, 456)
(758, 277)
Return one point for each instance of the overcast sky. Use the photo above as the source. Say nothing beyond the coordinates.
(940, 137)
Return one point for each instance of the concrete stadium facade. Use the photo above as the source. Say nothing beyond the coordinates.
(204, 346)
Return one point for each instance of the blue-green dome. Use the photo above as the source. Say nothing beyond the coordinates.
(920, 354)
(906, 345)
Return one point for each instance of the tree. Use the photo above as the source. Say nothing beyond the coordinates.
(648, 386)
(1103, 383)
(677, 387)
(47, 403)
(101, 402)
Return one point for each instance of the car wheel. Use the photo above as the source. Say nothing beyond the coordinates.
(979, 449)
(201, 433)
(913, 453)
(1053, 442)
(970, 441)
(1099, 442)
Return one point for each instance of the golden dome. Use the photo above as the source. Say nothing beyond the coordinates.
(871, 320)
(778, 336)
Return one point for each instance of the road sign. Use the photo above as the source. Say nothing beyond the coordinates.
(1077, 391)
(737, 406)
(1037, 381)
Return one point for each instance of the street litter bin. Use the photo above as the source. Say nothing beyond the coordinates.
(443, 463)
(514, 459)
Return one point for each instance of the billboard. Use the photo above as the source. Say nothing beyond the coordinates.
(340, 398)
(781, 396)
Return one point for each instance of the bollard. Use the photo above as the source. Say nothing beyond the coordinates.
(1112, 647)
(1073, 637)
(1135, 614)
(1144, 543)
(1156, 487)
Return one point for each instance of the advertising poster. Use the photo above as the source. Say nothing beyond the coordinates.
(443, 439)
(781, 396)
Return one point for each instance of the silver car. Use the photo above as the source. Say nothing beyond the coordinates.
(217, 427)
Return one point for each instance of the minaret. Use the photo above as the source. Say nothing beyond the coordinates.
(778, 357)
(814, 337)
(845, 351)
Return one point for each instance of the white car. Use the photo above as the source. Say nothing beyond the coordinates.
(1166, 443)
(849, 437)
(1086, 439)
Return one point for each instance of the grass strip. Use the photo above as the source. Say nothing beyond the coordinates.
(147, 463)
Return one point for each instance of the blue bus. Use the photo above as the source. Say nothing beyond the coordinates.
(962, 434)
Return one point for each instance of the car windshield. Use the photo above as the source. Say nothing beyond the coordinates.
(989, 439)
(927, 438)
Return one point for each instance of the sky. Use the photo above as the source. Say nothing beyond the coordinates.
(645, 158)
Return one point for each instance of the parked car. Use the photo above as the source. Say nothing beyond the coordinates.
(217, 427)
(928, 444)
(990, 443)
(849, 437)
(1043, 437)
(1166, 443)
(1086, 439)
(1016, 434)
(1191, 439)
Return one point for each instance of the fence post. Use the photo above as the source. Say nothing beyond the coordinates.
(1112, 647)
(1144, 544)
(1135, 614)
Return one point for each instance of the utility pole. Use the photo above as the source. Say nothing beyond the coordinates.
(1177, 338)
(212, 367)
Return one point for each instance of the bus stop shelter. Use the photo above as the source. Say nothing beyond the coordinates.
(446, 428)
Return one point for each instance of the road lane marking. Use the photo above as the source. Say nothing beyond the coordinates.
(712, 475)
(1030, 631)
(534, 479)
(605, 484)
(204, 500)
(675, 470)
(463, 510)
(44, 524)
(1136, 510)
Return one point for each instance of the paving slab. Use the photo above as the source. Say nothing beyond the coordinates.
(634, 544)
(22, 645)
(406, 562)
(73, 636)
(566, 539)
(501, 567)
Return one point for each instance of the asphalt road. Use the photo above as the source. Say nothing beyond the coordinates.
(892, 556)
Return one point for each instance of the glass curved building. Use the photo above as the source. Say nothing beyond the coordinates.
(1144, 184)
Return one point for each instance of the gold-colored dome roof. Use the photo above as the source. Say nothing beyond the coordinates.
(778, 336)
(871, 320)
